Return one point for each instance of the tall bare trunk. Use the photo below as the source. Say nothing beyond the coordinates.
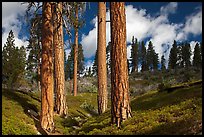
(75, 53)
(120, 108)
(46, 118)
(60, 103)
(102, 72)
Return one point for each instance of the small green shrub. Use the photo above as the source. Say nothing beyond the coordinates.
(162, 87)
(89, 108)
(91, 89)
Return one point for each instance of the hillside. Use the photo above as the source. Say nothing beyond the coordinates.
(178, 113)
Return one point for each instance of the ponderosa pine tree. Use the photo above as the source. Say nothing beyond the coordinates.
(173, 56)
(95, 64)
(35, 50)
(47, 91)
(163, 63)
(75, 51)
(120, 107)
(58, 40)
(151, 57)
(186, 55)
(197, 62)
(77, 8)
(134, 55)
(108, 60)
(13, 62)
(69, 68)
(101, 48)
(155, 61)
(143, 57)
(180, 50)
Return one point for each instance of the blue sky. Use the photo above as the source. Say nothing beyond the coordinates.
(160, 22)
(184, 9)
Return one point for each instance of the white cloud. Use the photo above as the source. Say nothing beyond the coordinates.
(192, 45)
(89, 43)
(169, 8)
(138, 22)
(194, 23)
(10, 21)
(129, 51)
(158, 29)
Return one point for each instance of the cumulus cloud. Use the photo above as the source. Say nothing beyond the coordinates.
(139, 23)
(158, 29)
(194, 23)
(10, 21)
(129, 51)
(89, 41)
(192, 45)
(169, 8)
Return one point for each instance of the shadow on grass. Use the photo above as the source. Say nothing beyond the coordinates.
(69, 122)
(161, 99)
(24, 102)
(182, 127)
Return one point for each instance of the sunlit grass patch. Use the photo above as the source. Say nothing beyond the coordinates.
(14, 119)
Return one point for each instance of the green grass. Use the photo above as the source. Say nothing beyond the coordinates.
(76, 110)
(177, 113)
(14, 119)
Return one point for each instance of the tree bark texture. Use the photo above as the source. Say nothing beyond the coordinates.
(75, 53)
(120, 108)
(60, 103)
(47, 104)
(101, 47)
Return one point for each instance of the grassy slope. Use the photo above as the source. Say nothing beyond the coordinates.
(179, 112)
(14, 117)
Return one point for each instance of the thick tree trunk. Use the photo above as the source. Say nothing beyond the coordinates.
(102, 72)
(75, 53)
(46, 118)
(60, 103)
(120, 108)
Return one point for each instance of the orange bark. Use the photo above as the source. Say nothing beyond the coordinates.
(120, 107)
(75, 54)
(101, 47)
(61, 107)
(46, 118)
